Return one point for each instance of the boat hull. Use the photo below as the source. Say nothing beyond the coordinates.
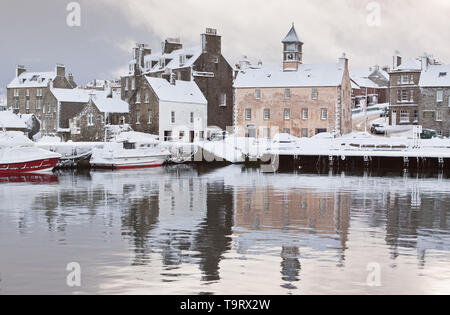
(123, 164)
(36, 166)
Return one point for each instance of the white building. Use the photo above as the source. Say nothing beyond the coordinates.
(181, 109)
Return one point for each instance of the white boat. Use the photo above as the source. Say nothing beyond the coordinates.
(20, 155)
(129, 154)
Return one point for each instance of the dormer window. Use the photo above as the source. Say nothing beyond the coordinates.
(182, 59)
(442, 74)
(162, 63)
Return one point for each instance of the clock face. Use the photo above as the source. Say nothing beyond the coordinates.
(290, 57)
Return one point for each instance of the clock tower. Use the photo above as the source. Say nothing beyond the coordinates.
(292, 51)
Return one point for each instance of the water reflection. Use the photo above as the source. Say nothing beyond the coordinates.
(223, 221)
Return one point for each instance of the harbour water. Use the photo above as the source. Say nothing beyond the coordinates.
(227, 230)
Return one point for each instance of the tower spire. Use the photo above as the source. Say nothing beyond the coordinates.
(292, 50)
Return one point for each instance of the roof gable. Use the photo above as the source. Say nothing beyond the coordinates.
(181, 92)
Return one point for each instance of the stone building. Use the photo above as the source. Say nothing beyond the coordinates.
(404, 91)
(175, 110)
(97, 116)
(296, 98)
(434, 104)
(26, 92)
(371, 85)
(414, 100)
(205, 65)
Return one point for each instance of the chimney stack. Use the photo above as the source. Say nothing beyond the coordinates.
(211, 42)
(19, 70)
(171, 44)
(397, 60)
(344, 61)
(60, 70)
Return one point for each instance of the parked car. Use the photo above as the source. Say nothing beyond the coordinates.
(429, 134)
(377, 129)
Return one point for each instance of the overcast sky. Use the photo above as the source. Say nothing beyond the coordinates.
(35, 33)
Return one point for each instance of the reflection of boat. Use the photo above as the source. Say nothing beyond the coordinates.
(20, 155)
(129, 153)
(29, 178)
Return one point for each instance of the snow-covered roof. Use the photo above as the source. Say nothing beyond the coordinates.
(71, 95)
(364, 81)
(9, 120)
(292, 36)
(96, 84)
(307, 75)
(110, 105)
(172, 60)
(409, 64)
(181, 92)
(435, 76)
(32, 80)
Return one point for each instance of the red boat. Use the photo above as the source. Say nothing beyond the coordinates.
(19, 155)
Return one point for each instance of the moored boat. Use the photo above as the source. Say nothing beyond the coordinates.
(129, 154)
(19, 155)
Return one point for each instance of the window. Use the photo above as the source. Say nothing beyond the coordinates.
(399, 96)
(428, 114)
(287, 130)
(90, 119)
(439, 96)
(404, 116)
(138, 117)
(305, 114)
(258, 94)
(16, 93)
(133, 83)
(147, 97)
(28, 93)
(304, 132)
(162, 63)
(363, 91)
(449, 101)
(404, 95)
(287, 114)
(248, 114)
(411, 79)
(150, 116)
(138, 97)
(192, 118)
(126, 84)
(411, 96)
(182, 59)
(399, 80)
(438, 115)
(39, 92)
(16, 104)
(323, 114)
(266, 114)
(314, 94)
(38, 103)
(27, 104)
(287, 94)
(223, 99)
(172, 117)
(405, 79)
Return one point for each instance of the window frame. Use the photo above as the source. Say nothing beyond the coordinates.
(305, 111)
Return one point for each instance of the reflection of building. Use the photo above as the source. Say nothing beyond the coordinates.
(268, 208)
